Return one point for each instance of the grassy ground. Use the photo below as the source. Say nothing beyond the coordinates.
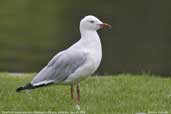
(121, 94)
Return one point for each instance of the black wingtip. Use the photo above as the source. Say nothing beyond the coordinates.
(27, 86)
(30, 86)
(19, 89)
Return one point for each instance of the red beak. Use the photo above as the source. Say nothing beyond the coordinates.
(105, 25)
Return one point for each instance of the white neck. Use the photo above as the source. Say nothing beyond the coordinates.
(90, 39)
(89, 34)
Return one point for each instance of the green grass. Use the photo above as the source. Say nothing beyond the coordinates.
(119, 94)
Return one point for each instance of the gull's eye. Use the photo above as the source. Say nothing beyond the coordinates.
(91, 21)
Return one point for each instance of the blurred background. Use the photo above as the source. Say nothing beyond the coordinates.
(33, 31)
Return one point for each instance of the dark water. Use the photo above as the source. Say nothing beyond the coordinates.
(32, 31)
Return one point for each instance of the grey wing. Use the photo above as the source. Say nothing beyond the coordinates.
(60, 67)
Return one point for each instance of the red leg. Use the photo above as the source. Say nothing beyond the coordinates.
(78, 93)
(72, 92)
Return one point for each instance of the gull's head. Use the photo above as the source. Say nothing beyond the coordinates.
(92, 23)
